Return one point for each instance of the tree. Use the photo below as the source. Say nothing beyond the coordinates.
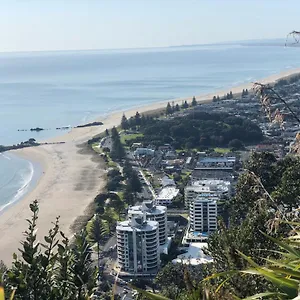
(174, 279)
(97, 232)
(124, 123)
(184, 104)
(194, 101)
(236, 144)
(169, 110)
(113, 184)
(114, 133)
(137, 119)
(52, 269)
(287, 192)
(85, 274)
(128, 195)
(135, 183)
(127, 169)
(118, 151)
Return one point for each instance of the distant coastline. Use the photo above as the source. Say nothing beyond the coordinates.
(71, 178)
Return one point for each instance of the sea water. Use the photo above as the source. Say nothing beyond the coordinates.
(56, 89)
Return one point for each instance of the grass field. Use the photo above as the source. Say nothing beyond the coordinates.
(96, 148)
(128, 137)
(222, 150)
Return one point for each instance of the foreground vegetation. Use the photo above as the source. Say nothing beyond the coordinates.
(52, 269)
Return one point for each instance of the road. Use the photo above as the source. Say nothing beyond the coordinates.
(175, 211)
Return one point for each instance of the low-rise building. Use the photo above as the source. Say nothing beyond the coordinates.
(167, 195)
(167, 181)
(219, 163)
(194, 255)
(144, 151)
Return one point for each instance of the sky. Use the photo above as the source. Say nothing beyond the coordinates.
(43, 25)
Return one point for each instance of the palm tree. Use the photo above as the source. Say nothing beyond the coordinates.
(97, 232)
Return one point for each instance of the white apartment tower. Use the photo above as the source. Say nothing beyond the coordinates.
(138, 246)
(153, 213)
(203, 213)
(222, 188)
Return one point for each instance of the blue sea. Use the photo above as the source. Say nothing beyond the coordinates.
(55, 89)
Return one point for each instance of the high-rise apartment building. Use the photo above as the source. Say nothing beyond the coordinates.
(138, 245)
(153, 212)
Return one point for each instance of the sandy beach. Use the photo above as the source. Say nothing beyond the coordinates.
(72, 177)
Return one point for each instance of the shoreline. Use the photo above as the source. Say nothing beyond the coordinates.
(29, 185)
(71, 177)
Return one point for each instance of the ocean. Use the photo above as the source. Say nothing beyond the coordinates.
(67, 88)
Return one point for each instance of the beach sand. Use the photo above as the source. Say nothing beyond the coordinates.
(72, 177)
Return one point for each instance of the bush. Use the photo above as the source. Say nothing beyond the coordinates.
(236, 144)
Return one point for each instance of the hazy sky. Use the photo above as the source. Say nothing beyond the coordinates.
(28, 25)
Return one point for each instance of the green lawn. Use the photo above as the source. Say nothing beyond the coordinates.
(96, 148)
(222, 150)
(128, 137)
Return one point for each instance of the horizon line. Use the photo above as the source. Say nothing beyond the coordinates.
(139, 48)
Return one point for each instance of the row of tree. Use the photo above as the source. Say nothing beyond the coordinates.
(136, 121)
(172, 108)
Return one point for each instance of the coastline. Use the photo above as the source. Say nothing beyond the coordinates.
(71, 177)
(29, 181)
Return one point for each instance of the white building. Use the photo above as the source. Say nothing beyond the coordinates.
(152, 212)
(203, 213)
(194, 255)
(138, 246)
(166, 195)
(222, 188)
(144, 151)
(216, 163)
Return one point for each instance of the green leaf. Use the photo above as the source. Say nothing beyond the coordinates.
(286, 285)
(150, 295)
(216, 275)
(2, 296)
(263, 295)
(283, 245)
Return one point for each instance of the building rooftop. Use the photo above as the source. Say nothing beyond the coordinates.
(217, 159)
(137, 224)
(167, 193)
(210, 185)
(194, 255)
(166, 181)
(147, 207)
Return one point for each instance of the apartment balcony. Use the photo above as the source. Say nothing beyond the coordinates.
(151, 239)
(151, 265)
(151, 252)
(151, 235)
(152, 247)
